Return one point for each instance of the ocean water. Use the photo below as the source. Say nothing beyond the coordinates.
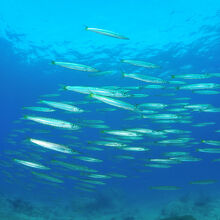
(180, 38)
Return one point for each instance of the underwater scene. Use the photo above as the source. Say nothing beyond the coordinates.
(110, 110)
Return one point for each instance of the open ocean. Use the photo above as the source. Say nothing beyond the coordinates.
(110, 110)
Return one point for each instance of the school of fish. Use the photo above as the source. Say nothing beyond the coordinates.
(161, 108)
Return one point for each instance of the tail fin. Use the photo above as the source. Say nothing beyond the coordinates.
(53, 62)
(123, 74)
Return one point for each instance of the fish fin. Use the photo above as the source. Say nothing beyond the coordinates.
(53, 62)
(86, 27)
(173, 76)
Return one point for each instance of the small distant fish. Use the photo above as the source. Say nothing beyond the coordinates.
(198, 106)
(84, 189)
(175, 141)
(75, 66)
(176, 154)
(62, 106)
(158, 165)
(31, 164)
(162, 116)
(203, 182)
(39, 109)
(200, 86)
(89, 159)
(96, 182)
(192, 76)
(165, 161)
(207, 92)
(165, 187)
(176, 131)
(182, 99)
(53, 146)
(147, 131)
(211, 109)
(186, 158)
(209, 150)
(98, 126)
(46, 177)
(122, 133)
(144, 78)
(114, 102)
(53, 122)
(97, 91)
(135, 149)
(98, 176)
(203, 124)
(215, 74)
(153, 105)
(211, 142)
(73, 166)
(110, 144)
(107, 33)
(141, 63)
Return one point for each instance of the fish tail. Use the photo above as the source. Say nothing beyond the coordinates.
(63, 88)
(86, 27)
(90, 95)
(53, 62)
(173, 76)
(123, 74)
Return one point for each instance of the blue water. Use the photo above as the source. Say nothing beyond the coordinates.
(180, 36)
